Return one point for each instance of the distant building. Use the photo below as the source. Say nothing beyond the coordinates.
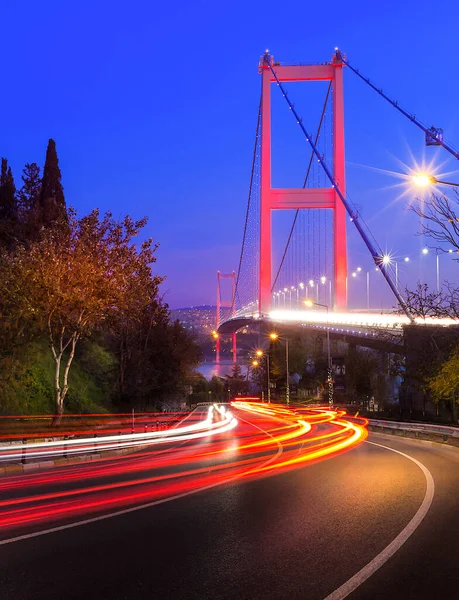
(199, 319)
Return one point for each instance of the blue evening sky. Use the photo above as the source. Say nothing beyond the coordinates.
(153, 109)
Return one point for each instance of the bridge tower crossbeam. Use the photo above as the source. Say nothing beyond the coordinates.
(291, 198)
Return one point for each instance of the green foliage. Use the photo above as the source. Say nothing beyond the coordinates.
(445, 384)
(27, 387)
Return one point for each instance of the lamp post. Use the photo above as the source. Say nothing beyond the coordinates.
(310, 303)
(425, 251)
(275, 336)
(367, 279)
(301, 287)
(260, 353)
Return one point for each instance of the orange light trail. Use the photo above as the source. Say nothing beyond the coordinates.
(215, 447)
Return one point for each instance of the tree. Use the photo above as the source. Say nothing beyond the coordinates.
(29, 194)
(445, 384)
(8, 207)
(69, 282)
(439, 218)
(236, 382)
(217, 388)
(52, 202)
(361, 369)
(29, 202)
(159, 361)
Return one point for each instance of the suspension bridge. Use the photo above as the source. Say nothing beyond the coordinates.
(313, 264)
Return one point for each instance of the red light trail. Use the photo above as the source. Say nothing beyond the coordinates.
(216, 448)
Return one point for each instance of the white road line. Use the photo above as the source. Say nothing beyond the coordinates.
(142, 506)
(354, 582)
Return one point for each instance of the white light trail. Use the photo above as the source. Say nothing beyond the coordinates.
(87, 445)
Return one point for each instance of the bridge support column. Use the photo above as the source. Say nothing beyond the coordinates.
(217, 350)
(339, 224)
(264, 292)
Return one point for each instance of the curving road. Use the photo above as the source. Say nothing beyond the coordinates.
(254, 512)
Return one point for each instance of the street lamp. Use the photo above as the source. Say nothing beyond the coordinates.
(274, 337)
(424, 180)
(310, 304)
(387, 260)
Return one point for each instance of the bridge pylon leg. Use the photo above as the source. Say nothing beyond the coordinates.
(339, 222)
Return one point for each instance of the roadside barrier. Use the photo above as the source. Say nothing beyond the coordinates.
(431, 432)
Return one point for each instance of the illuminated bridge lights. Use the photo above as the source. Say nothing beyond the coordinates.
(356, 319)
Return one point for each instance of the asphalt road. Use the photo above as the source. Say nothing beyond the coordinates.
(299, 533)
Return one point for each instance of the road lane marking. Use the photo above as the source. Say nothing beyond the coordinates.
(149, 504)
(354, 582)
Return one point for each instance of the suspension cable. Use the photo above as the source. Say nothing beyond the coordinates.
(377, 258)
(431, 132)
(254, 158)
(304, 185)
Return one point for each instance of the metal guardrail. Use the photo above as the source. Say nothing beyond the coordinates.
(26, 446)
(423, 431)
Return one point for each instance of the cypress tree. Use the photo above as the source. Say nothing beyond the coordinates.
(8, 206)
(29, 202)
(29, 194)
(52, 202)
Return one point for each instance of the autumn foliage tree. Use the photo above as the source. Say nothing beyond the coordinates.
(74, 279)
(444, 385)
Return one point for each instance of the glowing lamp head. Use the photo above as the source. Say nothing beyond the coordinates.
(255, 363)
(274, 336)
(423, 180)
(309, 303)
(359, 269)
(301, 286)
(285, 289)
(407, 259)
(354, 274)
(259, 352)
(311, 283)
(425, 251)
(215, 335)
(386, 259)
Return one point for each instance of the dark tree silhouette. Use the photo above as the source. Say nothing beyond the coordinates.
(29, 194)
(29, 203)
(52, 202)
(8, 207)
